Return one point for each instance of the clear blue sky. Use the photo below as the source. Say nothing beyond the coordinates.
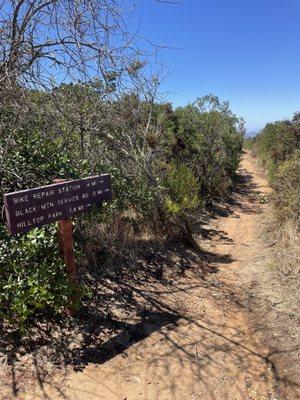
(244, 51)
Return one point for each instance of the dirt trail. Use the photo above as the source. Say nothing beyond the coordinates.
(201, 346)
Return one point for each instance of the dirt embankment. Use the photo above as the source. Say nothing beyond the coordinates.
(186, 325)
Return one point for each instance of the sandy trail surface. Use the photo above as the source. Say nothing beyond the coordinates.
(201, 344)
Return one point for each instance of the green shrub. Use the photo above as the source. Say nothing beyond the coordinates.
(183, 190)
(32, 276)
(211, 138)
(276, 144)
(32, 160)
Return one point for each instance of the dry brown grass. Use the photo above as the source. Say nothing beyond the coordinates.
(288, 248)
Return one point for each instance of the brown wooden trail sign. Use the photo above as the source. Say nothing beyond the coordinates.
(27, 209)
(35, 207)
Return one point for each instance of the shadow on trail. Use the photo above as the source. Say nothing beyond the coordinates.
(120, 313)
(130, 335)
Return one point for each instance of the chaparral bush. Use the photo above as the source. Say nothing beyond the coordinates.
(278, 147)
(32, 276)
(276, 144)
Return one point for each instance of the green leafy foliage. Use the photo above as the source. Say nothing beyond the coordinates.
(32, 160)
(278, 146)
(32, 276)
(276, 143)
(212, 140)
(183, 190)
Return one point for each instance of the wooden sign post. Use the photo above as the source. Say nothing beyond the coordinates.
(66, 247)
(65, 238)
(27, 209)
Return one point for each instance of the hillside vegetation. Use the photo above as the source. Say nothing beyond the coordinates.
(165, 164)
(278, 149)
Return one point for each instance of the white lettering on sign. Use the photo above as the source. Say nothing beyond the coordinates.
(28, 210)
(41, 195)
(55, 214)
(30, 222)
(46, 206)
(70, 188)
(18, 200)
(77, 208)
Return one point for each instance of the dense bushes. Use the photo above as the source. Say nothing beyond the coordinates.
(278, 148)
(32, 277)
(277, 143)
(183, 193)
(165, 164)
(212, 138)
